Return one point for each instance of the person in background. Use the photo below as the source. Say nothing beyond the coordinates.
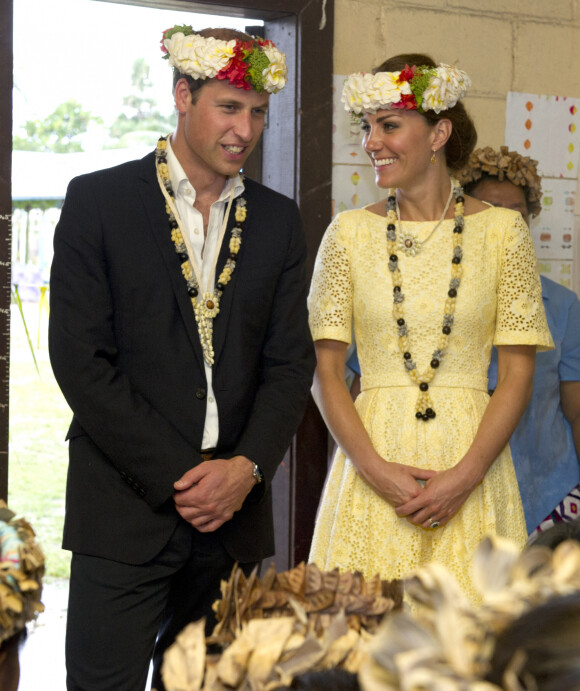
(423, 470)
(178, 334)
(21, 572)
(545, 445)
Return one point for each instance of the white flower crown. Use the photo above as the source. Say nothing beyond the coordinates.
(256, 64)
(419, 88)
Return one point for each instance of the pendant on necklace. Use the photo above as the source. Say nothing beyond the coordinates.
(209, 306)
(409, 244)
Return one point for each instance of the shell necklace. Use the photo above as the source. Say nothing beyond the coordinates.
(424, 407)
(206, 307)
(409, 243)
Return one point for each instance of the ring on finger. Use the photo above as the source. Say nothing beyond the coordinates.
(432, 523)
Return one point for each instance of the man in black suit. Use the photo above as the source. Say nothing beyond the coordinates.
(178, 335)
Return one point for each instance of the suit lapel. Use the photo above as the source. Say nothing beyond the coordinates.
(154, 203)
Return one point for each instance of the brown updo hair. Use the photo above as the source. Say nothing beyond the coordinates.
(463, 136)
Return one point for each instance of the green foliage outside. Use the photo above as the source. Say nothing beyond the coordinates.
(144, 123)
(62, 130)
(38, 456)
(58, 132)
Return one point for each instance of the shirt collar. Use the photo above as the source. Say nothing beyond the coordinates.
(180, 181)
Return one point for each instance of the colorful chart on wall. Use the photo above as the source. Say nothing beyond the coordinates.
(346, 139)
(353, 187)
(553, 229)
(559, 271)
(353, 178)
(546, 128)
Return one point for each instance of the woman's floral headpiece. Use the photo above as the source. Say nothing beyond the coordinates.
(255, 64)
(419, 88)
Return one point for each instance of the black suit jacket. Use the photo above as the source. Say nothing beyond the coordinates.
(126, 353)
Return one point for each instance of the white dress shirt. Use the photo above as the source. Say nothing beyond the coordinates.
(204, 250)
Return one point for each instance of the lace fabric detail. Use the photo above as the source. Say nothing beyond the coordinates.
(519, 295)
(500, 299)
(499, 302)
(330, 307)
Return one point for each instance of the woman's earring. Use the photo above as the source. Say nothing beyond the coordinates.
(433, 158)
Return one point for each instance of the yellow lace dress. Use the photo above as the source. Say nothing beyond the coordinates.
(499, 301)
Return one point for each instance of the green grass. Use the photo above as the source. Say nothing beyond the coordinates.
(38, 455)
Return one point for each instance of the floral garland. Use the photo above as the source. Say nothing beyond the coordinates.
(21, 572)
(424, 408)
(504, 164)
(419, 88)
(206, 306)
(255, 64)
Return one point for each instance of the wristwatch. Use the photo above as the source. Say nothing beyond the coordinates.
(257, 474)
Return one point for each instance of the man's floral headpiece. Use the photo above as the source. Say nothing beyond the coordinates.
(255, 64)
(417, 88)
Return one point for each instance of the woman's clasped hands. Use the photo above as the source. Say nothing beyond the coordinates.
(438, 499)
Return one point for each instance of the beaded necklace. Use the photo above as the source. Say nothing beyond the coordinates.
(424, 407)
(206, 306)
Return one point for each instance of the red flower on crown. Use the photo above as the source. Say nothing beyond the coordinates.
(163, 48)
(407, 102)
(236, 71)
(407, 74)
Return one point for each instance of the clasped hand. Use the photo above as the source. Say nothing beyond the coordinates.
(209, 494)
(438, 501)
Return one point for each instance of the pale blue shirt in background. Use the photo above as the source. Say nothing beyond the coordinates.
(204, 249)
(542, 445)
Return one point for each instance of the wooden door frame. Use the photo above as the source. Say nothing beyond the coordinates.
(297, 161)
(6, 67)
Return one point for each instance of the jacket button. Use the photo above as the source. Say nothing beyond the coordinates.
(200, 393)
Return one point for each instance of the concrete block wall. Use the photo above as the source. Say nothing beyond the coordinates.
(530, 46)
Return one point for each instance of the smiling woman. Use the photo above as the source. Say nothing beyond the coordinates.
(421, 471)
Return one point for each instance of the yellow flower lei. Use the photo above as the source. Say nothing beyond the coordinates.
(206, 306)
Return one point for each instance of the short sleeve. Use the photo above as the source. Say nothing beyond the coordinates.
(330, 298)
(521, 319)
(569, 367)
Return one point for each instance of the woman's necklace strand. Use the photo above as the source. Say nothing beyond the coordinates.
(424, 409)
(409, 243)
